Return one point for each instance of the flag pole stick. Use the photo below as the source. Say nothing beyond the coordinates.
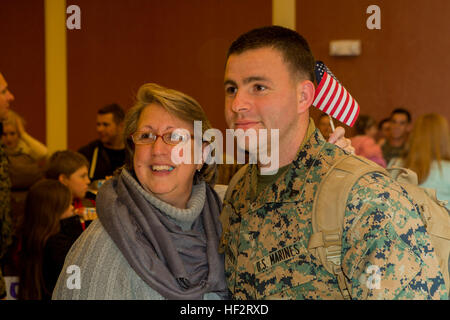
(331, 123)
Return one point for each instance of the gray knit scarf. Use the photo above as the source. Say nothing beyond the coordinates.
(176, 263)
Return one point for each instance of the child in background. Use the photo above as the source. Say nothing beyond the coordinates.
(48, 231)
(364, 142)
(71, 169)
(384, 130)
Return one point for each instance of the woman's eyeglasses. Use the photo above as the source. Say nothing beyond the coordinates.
(172, 138)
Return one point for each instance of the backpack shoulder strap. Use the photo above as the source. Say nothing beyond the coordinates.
(329, 210)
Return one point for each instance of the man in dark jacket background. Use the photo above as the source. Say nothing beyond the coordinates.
(107, 153)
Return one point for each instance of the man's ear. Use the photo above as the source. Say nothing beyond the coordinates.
(305, 95)
(63, 179)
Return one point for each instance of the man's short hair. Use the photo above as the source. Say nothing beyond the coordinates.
(64, 162)
(401, 111)
(293, 47)
(116, 110)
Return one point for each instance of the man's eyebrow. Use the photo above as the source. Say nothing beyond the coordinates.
(247, 80)
(255, 78)
(229, 82)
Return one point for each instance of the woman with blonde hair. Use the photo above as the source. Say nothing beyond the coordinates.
(429, 154)
(18, 141)
(26, 155)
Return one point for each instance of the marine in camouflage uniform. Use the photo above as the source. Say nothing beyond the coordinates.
(5, 215)
(266, 236)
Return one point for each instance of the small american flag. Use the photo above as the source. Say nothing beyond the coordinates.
(332, 98)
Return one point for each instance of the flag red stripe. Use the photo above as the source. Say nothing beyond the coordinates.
(343, 107)
(325, 90)
(320, 86)
(350, 111)
(336, 89)
(355, 117)
(337, 101)
(341, 104)
(329, 97)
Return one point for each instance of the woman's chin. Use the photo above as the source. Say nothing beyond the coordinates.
(159, 190)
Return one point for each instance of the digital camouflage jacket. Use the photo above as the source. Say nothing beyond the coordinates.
(386, 252)
(5, 214)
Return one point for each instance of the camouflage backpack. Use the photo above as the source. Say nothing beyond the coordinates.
(328, 218)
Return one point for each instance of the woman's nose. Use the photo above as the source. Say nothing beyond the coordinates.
(159, 146)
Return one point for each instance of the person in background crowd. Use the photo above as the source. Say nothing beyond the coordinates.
(399, 128)
(6, 226)
(26, 157)
(71, 169)
(324, 126)
(267, 220)
(107, 153)
(364, 141)
(429, 154)
(18, 141)
(48, 231)
(384, 129)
